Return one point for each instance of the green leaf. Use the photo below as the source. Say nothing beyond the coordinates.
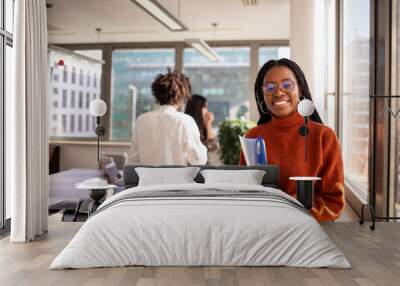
(229, 131)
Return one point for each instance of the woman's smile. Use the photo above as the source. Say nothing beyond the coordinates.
(281, 103)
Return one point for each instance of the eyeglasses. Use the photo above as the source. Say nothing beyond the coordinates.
(270, 88)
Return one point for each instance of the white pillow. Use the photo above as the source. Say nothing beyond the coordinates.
(248, 177)
(163, 176)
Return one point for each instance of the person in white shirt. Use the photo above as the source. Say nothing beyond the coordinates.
(166, 136)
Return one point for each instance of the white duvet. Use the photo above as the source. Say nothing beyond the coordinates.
(192, 231)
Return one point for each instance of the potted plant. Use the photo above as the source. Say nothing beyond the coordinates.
(229, 131)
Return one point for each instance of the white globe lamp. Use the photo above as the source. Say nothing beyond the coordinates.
(98, 108)
(306, 109)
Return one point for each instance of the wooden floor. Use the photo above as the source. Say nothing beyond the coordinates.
(375, 257)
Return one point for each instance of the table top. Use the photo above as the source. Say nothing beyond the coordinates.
(62, 184)
(88, 187)
(304, 178)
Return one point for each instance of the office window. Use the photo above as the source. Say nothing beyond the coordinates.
(83, 62)
(6, 70)
(87, 122)
(94, 81)
(355, 101)
(81, 77)
(55, 77)
(73, 76)
(330, 65)
(72, 98)
(54, 117)
(64, 98)
(72, 123)
(272, 53)
(87, 100)
(225, 84)
(134, 69)
(65, 74)
(9, 15)
(88, 80)
(79, 122)
(80, 105)
(64, 123)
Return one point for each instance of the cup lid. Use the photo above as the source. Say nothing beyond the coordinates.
(304, 178)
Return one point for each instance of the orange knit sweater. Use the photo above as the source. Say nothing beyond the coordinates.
(285, 147)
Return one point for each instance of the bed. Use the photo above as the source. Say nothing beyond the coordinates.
(201, 224)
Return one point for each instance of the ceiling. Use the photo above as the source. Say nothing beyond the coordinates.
(74, 21)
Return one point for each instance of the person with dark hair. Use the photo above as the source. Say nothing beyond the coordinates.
(166, 136)
(197, 107)
(279, 86)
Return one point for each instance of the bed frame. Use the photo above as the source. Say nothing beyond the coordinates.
(270, 179)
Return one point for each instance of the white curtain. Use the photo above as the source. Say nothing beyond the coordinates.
(26, 119)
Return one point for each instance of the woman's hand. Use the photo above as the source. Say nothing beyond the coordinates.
(209, 118)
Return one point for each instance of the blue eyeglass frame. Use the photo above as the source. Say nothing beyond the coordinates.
(276, 86)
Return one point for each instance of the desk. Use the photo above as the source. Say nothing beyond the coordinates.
(62, 184)
(62, 189)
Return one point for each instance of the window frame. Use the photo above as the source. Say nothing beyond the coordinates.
(75, 79)
(6, 39)
(252, 72)
(158, 48)
(356, 195)
(106, 85)
(382, 77)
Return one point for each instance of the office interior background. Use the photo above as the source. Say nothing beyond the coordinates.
(112, 50)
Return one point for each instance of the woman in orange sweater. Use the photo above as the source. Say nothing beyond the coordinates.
(279, 87)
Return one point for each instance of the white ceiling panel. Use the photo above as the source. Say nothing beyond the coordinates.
(123, 21)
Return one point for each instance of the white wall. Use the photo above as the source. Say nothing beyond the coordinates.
(83, 155)
(74, 155)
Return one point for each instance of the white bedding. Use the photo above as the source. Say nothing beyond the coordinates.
(183, 231)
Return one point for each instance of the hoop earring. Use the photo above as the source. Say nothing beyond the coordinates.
(259, 103)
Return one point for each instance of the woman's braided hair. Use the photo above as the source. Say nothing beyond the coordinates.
(171, 88)
(265, 113)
